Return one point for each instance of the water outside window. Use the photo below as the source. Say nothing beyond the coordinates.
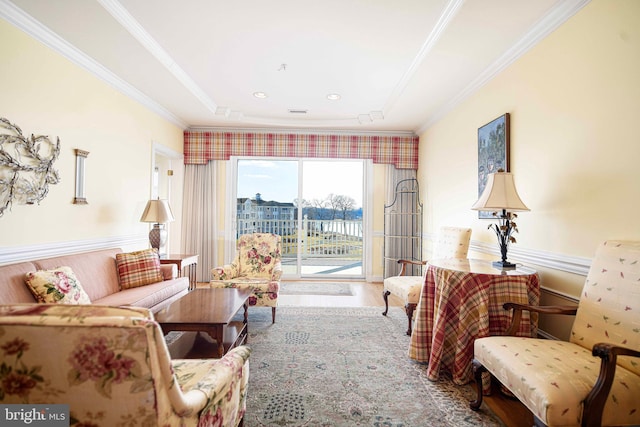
(315, 205)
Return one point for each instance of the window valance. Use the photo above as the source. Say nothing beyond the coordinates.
(202, 146)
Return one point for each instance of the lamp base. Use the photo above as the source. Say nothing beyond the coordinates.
(504, 265)
(158, 237)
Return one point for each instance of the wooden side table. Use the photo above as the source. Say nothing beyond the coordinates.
(182, 261)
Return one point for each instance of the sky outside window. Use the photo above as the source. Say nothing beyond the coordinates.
(277, 180)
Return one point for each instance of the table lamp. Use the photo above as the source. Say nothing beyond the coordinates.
(159, 212)
(501, 197)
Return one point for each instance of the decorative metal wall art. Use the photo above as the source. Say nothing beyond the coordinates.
(26, 166)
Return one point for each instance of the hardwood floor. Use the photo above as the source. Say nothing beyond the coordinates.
(510, 411)
(365, 295)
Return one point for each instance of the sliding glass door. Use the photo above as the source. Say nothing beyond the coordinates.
(316, 206)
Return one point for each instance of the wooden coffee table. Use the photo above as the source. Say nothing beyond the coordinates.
(210, 311)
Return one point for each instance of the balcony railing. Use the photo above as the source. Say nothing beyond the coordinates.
(321, 238)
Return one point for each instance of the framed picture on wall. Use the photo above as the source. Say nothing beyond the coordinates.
(493, 152)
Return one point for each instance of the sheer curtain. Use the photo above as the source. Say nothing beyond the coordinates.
(394, 176)
(396, 225)
(199, 216)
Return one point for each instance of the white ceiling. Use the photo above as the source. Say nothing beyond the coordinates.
(398, 65)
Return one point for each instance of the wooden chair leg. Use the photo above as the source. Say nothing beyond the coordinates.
(409, 308)
(385, 296)
(273, 315)
(478, 369)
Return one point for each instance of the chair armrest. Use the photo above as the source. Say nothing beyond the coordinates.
(546, 309)
(276, 274)
(229, 271)
(210, 384)
(406, 262)
(597, 397)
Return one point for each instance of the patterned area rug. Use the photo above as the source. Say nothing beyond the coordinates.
(311, 288)
(346, 367)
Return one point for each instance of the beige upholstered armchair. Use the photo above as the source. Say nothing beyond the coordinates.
(112, 367)
(451, 242)
(257, 267)
(592, 380)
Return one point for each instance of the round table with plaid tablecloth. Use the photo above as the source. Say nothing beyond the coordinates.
(462, 300)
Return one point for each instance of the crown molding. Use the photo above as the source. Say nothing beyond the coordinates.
(301, 131)
(447, 15)
(560, 13)
(25, 22)
(127, 21)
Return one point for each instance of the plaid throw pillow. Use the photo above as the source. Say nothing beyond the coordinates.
(59, 285)
(138, 268)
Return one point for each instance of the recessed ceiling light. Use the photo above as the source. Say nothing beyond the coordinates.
(333, 97)
(260, 95)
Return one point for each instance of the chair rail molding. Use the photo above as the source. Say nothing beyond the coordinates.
(567, 263)
(13, 254)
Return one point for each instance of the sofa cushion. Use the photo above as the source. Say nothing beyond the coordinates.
(150, 296)
(552, 378)
(59, 285)
(406, 287)
(138, 268)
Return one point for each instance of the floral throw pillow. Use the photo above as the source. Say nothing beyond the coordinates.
(138, 268)
(59, 285)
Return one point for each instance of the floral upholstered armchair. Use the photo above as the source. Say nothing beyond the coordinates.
(112, 367)
(594, 378)
(256, 267)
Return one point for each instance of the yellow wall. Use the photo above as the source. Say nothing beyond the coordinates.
(574, 102)
(44, 93)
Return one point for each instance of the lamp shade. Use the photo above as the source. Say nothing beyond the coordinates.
(500, 193)
(157, 211)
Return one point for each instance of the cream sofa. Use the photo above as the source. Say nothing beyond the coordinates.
(97, 273)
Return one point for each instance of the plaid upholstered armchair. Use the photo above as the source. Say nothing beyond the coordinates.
(256, 267)
(112, 367)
